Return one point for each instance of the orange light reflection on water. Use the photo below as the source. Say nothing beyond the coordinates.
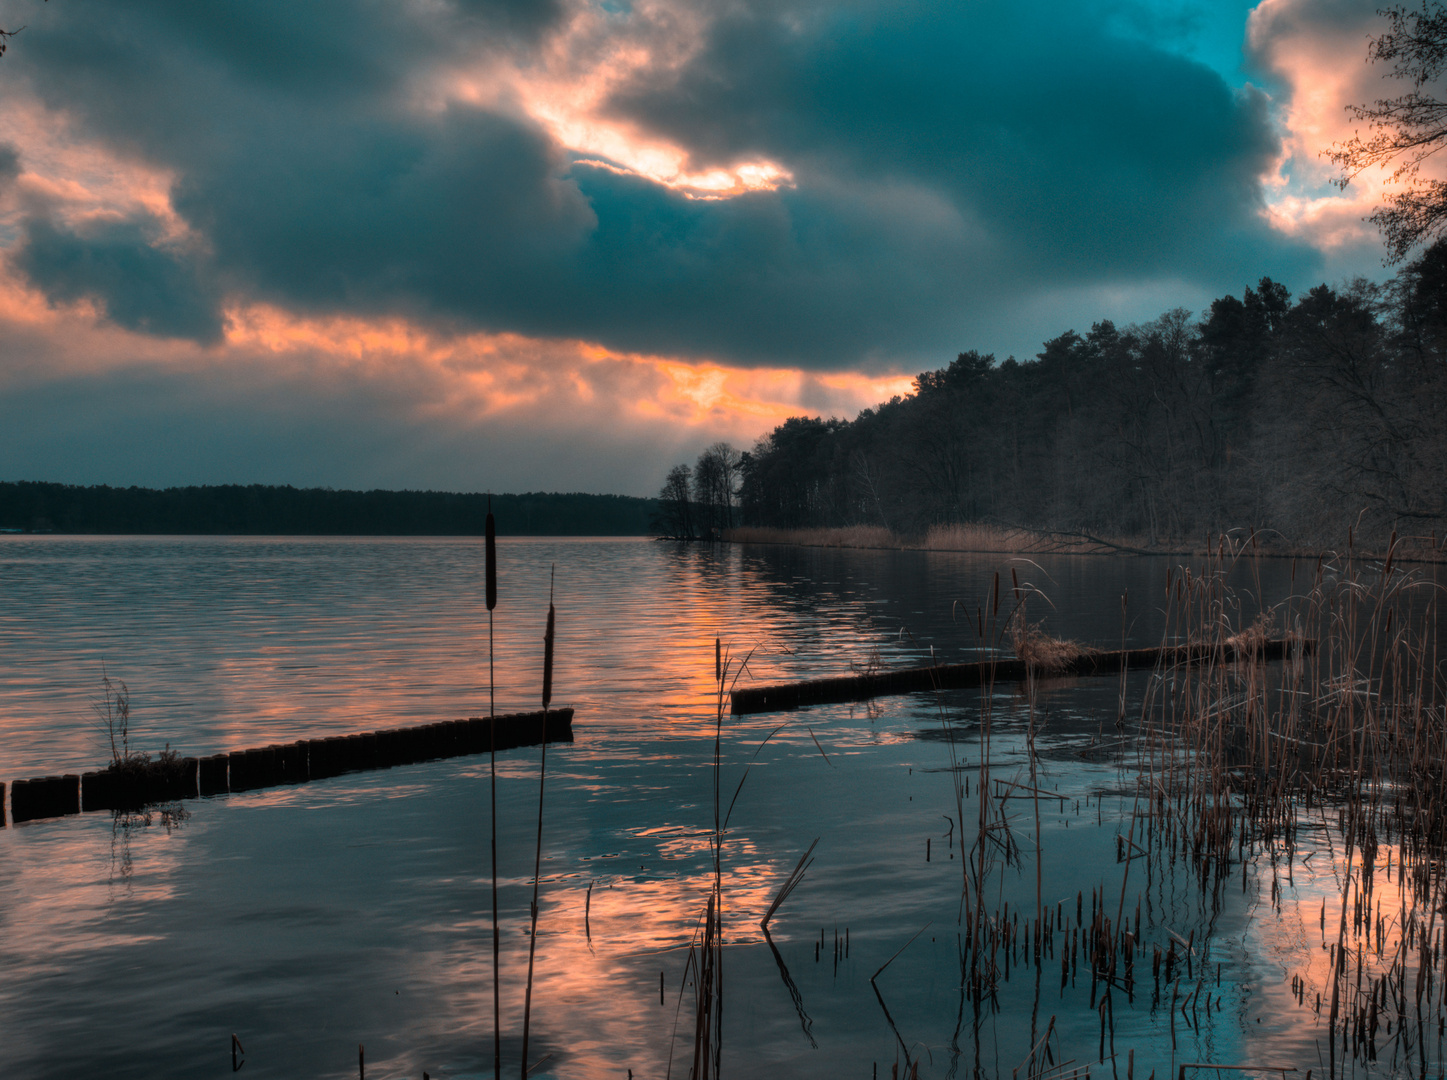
(610, 947)
(1296, 936)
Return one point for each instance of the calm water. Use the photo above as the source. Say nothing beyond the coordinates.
(355, 910)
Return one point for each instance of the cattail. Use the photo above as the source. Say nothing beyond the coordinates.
(490, 549)
(490, 578)
(548, 662)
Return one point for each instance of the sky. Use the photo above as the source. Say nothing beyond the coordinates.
(562, 245)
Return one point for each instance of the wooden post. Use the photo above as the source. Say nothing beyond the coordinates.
(211, 776)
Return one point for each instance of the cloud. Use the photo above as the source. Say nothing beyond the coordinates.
(1317, 52)
(1077, 151)
(932, 167)
(356, 402)
(565, 244)
(9, 164)
(135, 282)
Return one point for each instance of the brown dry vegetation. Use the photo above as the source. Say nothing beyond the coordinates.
(968, 537)
(1234, 769)
(1011, 540)
(1043, 653)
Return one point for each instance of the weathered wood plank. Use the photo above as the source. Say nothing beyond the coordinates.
(787, 696)
(291, 763)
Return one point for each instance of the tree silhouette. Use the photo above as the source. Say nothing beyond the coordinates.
(1405, 130)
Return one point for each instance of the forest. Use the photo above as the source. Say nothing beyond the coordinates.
(1299, 417)
(257, 509)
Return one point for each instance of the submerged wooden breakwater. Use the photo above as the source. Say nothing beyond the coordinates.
(278, 764)
(787, 696)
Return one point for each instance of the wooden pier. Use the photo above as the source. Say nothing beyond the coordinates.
(786, 696)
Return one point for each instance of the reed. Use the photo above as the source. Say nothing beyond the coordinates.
(971, 536)
(1232, 758)
(538, 857)
(1232, 765)
(1350, 737)
(1042, 654)
(490, 593)
(993, 538)
(705, 953)
(1018, 540)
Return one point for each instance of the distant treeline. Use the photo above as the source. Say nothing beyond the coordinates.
(1306, 415)
(258, 509)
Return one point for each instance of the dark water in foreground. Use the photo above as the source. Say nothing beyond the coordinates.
(355, 910)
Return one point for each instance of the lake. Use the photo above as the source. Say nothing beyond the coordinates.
(356, 910)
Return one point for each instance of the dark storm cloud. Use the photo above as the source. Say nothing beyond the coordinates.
(1080, 151)
(949, 160)
(9, 164)
(138, 283)
(809, 276)
(466, 213)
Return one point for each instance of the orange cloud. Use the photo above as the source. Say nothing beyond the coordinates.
(1323, 64)
(78, 179)
(384, 401)
(566, 88)
(481, 375)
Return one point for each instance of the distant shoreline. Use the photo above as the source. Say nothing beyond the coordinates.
(40, 508)
(1010, 540)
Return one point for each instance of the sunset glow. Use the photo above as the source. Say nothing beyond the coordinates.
(584, 539)
(693, 221)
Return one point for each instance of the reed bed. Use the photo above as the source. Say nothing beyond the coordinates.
(990, 538)
(1234, 760)
(1347, 741)
(1234, 771)
(981, 537)
(1010, 539)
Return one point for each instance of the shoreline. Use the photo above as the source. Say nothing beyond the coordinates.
(998, 540)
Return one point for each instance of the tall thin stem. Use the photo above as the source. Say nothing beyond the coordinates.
(490, 584)
(496, 950)
(538, 857)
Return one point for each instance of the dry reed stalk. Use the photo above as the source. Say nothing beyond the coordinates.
(1357, 727)
(789, 884)
(490, 588)
(1233, 757)
(1042, 654)
(1019, 540)
(538, 856)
